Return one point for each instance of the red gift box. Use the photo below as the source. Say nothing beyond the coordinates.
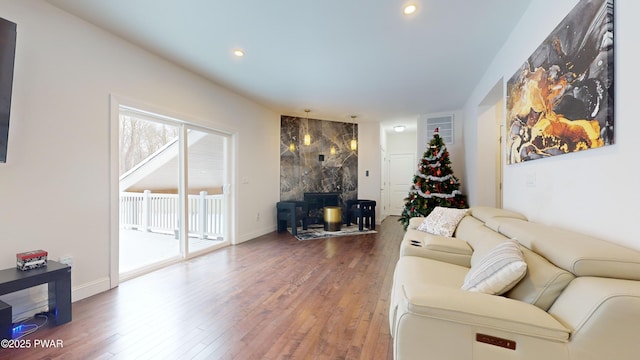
(31, 259)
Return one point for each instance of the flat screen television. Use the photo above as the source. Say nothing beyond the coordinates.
(7, 57)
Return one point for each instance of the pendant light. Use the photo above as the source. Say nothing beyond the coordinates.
(321, 156)
(307, 136)
(354, 142)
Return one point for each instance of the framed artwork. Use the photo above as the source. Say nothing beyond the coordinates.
(561, 99)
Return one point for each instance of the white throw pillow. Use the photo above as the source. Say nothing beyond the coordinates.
(442, 221)
(499, 271)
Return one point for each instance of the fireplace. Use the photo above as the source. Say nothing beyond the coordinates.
(316, 201)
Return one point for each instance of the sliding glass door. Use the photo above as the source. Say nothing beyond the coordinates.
(149, 198)
(206, 182)
(172, 201)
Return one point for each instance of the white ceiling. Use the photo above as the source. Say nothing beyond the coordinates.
(335, 57)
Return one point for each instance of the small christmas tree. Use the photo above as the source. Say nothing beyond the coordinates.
(433, 185)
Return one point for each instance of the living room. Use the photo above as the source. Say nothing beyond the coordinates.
(57, 180)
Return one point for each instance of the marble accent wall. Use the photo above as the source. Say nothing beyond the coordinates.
(302, 170)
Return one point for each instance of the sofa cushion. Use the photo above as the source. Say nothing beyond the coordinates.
(467, 227)
(581, 254)
(442, 221)
(479, 237)
(485, 213)
(498, 272)
(542, 284)
(447, 245)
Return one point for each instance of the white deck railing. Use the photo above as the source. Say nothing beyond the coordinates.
(159, 213)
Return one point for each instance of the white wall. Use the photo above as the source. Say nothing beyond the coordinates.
(369, 160)
(381, 211)
(591, 191)
(456, 150)
(402, 143)
(489, 151)
(54, 188)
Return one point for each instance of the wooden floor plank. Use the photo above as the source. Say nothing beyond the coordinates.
(270, 298)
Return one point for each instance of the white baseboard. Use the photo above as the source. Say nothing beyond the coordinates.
(89, 289)
(254, 234)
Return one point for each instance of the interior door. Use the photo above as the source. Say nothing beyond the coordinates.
(499, 162)
(384, 185)
(402, 168)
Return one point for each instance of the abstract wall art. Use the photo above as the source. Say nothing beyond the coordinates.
(561, 99)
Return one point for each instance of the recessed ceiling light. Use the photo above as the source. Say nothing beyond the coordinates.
(238, 53)
(409, 9)
(399, 128)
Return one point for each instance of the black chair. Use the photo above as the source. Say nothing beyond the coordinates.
(363, 212)
(289, 213)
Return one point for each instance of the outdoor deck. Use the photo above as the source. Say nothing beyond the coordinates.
(148, 222)
(140, 248)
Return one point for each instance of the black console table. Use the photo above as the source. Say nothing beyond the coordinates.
(57, 275)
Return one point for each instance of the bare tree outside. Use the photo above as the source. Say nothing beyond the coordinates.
(140, 138)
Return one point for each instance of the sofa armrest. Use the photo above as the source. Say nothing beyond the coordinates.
(414, 222)
(436, 247)
(480, 311)
(603, 315)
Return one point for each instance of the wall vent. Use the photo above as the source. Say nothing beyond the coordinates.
(444, 123)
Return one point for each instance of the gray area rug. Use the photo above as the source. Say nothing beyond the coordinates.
(314, 233)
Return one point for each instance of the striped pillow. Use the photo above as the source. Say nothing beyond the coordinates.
(499, 271)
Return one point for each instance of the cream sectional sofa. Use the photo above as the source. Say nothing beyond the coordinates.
(579, 299)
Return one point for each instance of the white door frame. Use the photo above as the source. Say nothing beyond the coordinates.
(114, 192)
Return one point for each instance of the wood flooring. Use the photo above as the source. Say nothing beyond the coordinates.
(273, 297)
